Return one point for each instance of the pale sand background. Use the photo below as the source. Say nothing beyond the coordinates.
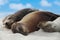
(6, 34)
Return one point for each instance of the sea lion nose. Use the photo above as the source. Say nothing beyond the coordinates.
(6, 23)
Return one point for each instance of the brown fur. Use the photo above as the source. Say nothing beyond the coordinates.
(17, 16)
(29, 22)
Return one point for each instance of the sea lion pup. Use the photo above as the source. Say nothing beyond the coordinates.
(29, 22)
(51, 26)
(9, 20)
(46, 26)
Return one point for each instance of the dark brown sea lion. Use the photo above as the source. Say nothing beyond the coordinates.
(10, 19)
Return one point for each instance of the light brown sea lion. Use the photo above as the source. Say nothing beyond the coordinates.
(29, 22)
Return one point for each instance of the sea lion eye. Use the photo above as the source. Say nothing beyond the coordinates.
(9, 18)
(54, 26)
